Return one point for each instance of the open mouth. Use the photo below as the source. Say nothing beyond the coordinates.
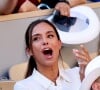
(48, 51)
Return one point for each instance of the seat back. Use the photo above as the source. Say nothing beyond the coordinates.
(18, 71)
(7, 85)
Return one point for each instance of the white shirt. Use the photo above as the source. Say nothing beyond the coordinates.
(68, 79)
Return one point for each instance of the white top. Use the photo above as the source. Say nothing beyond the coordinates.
(68, 79)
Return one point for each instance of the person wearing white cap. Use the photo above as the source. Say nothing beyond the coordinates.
(92, 75)
(96, 84)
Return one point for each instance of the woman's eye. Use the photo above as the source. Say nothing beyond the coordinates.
(35, 39)
(50, 36)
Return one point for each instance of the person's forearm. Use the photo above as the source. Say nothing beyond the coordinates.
(7, 6)
(76, 2)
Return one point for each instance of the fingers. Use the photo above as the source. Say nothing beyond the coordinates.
(83, 58)
(64, 8)
(85, 53)
(79, 56)
(82, 55)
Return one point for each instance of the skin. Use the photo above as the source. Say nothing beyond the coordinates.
(7, 6)
(83, 58)
(76, 2)
(27, 6)
(44, 37)
(64, 8)
(96, 84)
(82, 55)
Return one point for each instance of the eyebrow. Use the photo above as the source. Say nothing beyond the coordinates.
(50, 32)
(37, 34)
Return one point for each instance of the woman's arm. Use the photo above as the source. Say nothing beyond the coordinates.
(76, 2)
(83, 58)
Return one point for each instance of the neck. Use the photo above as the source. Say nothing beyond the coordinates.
(51, 72)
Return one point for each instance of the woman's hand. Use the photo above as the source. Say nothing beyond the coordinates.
(64, 8)
(83, 58)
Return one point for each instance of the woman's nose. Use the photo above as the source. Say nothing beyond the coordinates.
(45, 41)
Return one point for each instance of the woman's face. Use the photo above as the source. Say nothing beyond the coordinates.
(45, 45)
(96, 84)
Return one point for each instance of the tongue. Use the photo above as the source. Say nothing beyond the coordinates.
(48, 56)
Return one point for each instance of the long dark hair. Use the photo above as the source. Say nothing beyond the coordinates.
(99, 45)
(28, 41)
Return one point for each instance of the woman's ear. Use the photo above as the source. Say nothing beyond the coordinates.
(28, 52)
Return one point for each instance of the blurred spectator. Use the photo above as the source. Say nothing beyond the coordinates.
(14, 6)
(92, 75)
(7, 6)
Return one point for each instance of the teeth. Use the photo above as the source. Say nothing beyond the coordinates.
(47, 52)
(47, 49)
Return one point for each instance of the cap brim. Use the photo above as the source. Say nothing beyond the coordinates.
(83, 30)
(87, 82)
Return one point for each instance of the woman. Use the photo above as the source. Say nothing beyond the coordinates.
(43, 44)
